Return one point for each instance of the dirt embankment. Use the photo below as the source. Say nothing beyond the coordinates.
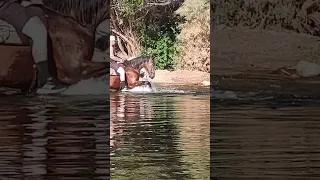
(239, 50)
(247, 60)
(182, 77)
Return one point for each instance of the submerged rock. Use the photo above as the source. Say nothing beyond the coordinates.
(308, 69)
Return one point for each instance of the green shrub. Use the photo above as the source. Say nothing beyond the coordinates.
(160, 41)
(163, 48)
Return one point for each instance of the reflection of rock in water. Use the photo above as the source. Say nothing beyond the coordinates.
(224, 95)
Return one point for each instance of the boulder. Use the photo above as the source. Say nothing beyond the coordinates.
(205, 83)
(307, 69)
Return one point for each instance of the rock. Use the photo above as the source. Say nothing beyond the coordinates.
(308, 69)
(230, 95)
(295, 76)
(206, 83)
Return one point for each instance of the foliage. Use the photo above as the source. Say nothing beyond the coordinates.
(150, 29)
(162, 47)
(195, 36)
(177, 39)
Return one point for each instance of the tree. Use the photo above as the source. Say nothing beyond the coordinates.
(130, 18)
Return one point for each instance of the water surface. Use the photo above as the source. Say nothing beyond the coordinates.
(265, 136)
(54, 137)
(160, 135)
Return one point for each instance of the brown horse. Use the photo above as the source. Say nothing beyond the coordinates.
(71, 30)
(133, 69)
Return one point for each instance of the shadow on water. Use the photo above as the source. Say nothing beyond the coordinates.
(54, 137)
(265, 136)
(159, 136)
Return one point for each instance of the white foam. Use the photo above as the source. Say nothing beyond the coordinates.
(93, 86)
(140, 89)
(153, 89)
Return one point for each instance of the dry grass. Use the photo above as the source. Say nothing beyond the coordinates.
(267, 14)
(264, 34)
(195, 36)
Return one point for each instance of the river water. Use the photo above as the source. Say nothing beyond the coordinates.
(264, 136)
(154, 136)
(54, 137)
(160, 136)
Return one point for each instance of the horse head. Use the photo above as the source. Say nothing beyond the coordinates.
(150, 66)
(143, 62)
(72, 29)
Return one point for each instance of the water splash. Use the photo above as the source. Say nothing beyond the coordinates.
(93, 86)
(152, 88)
(140, 89)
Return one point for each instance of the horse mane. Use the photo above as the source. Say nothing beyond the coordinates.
(85, 12)
(135, 63)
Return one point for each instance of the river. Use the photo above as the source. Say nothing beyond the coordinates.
(160, 136)
(264, 136)
(54, 137)
(153, 136)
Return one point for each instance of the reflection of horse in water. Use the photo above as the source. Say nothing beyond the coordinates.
(71, 29)
(138, 67)
(126, 108)
(46, 142)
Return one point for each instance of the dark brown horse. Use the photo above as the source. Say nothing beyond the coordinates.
(133, 72)
(72, 25)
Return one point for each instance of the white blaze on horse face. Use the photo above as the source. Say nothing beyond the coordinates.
(122, 74)
(145, 76)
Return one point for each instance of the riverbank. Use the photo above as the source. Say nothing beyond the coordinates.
(250, 60)
(182, 78)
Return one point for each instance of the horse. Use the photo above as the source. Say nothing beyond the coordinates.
(133, 70)
(71, 41)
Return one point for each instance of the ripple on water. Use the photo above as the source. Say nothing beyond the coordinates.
(159, 136)
(42, 139)
(266, 139)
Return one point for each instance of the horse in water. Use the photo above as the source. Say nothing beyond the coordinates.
(71, 35)
(135, 68)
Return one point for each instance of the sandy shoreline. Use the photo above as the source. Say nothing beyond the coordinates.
(247, 60)
(182, 78)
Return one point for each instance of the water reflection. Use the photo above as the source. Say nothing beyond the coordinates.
(41, 140)
(159, 136)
